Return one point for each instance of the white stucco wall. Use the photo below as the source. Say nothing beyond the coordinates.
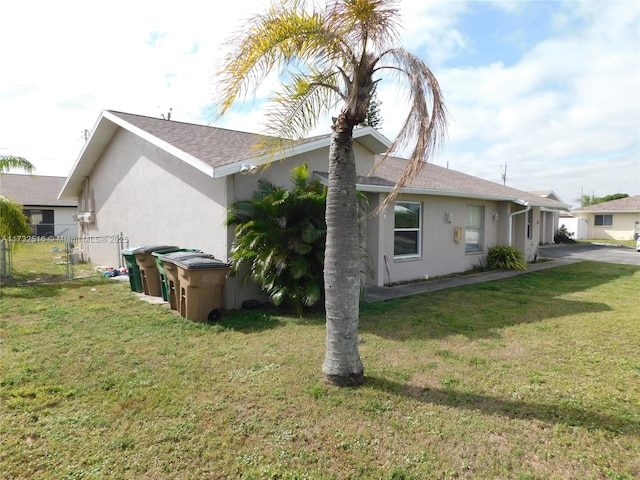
(66, 226)
(528, 245)
(548, 226)
(440, 253)
(623, 228)
(152, 198)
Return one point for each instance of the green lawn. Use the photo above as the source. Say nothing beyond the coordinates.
(534, 377)
(624, 243)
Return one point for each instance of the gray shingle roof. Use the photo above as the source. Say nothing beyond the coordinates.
(212, 145)
(436, 179)
(34, 190)
(627, 204)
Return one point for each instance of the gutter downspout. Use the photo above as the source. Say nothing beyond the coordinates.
(511, 215)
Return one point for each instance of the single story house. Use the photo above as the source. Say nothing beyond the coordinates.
(38, 194)
(614, 220)
(166, 182)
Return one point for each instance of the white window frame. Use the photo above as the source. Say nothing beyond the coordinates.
(417, 229)
(479, 229)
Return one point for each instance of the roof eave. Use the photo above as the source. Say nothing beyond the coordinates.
(368, 137)
(101, 135)
(453, 193)
(600, 212)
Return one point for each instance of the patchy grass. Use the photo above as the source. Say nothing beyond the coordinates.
(533, 377)
(45, 261)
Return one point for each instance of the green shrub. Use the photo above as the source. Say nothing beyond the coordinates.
(563, 235)
(280, 237)
(506, 258)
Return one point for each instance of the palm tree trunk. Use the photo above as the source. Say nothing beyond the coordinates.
(342, 365)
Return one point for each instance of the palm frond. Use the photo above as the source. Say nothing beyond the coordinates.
(296, 109)
(287, 32)
(9, 162)
(426, 123)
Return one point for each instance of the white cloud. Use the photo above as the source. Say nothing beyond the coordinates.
(565, 116)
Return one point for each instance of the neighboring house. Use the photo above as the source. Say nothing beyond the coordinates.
(615, 220)
(549, 217)
(38, 194)
(170, 183)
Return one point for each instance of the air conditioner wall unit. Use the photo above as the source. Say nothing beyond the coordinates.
(86, 217)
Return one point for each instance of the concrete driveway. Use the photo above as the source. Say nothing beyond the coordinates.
(593, 252)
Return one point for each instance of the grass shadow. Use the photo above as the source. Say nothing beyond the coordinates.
(550, 413)
(250, 321)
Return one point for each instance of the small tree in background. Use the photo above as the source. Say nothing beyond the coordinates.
(563, 235)
(587, 200)
(374, 117)
(280, 237)
(13, 221)
(9, 162)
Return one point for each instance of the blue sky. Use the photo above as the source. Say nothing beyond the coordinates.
(550, 88)
(496, 34)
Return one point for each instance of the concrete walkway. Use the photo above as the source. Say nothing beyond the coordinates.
(556, 255)
(379, 294)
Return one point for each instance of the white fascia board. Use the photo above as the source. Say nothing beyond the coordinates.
(443, 193)
(233, 168)
(560, 208)
(167, 147)
(384, 142)
(74, 172)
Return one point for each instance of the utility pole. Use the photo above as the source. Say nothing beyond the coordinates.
(504, 174)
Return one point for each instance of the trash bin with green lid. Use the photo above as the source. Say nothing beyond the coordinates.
(201, 285)
(171, 274)
(164, 288)
(148, 270)
(135, 280)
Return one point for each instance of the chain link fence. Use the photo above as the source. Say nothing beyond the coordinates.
(38, 259)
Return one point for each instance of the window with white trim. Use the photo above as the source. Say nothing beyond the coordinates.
(474, 228)
(604, 220)
(530, 224)
(407, 229)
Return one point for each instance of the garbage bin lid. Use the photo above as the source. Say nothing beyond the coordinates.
(151, 248)
(130, 250)
(170, 257)
(194, 263)
(157, 253)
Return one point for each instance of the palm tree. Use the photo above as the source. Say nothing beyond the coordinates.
(9, 162)
(13, 221)
(328, 57)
